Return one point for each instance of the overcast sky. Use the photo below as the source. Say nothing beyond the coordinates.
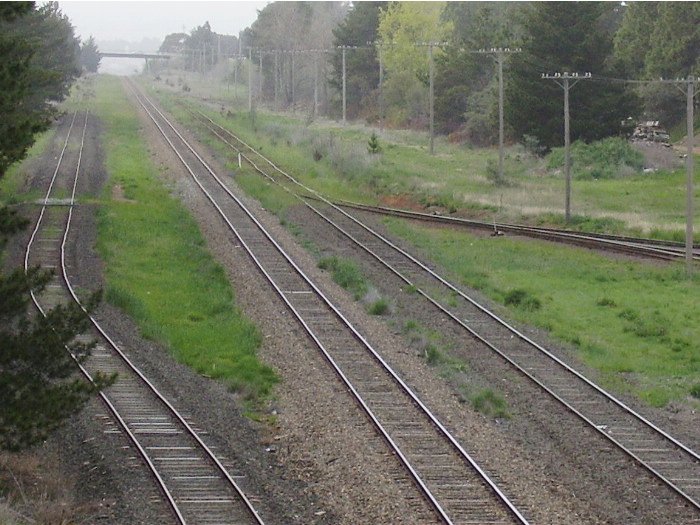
(134, 20)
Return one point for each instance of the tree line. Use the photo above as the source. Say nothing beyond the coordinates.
(611, 40)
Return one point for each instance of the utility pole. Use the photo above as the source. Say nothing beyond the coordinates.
(250, 79)
(431, 92)
(562, 80)
(380, 57)
(277, 78)
(689, 178)
(499, 52)
(294, 108)
(315, 85)
(432, 100)
(235, 77)
(260, 84)
(381, 92)
(690, 168)
(344, 48)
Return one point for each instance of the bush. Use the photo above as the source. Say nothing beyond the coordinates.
(433, 356)
(522, 299)
(532, 146)
(378, 307)
(603, 159)
(606, 301)
(489, 403)
(346, 275)
(373, 146)
(695, 391)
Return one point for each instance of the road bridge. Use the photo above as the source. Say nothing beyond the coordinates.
(135, 55)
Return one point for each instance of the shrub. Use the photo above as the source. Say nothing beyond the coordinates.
(489, 403)
(378, 307)
(346, 275)
(373, 146)
(695, 391)
(606, 301)
(432, 355)
(532, 146)
(522, 299)
(603, 159)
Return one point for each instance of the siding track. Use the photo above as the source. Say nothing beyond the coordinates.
(194, 482)
(456, 488)
(638, 246)
(676, 465)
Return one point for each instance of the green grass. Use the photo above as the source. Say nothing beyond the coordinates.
(157, 266)
(346, 274)
(378, 307)
(630, 320)
(13, 180)
(489, 403)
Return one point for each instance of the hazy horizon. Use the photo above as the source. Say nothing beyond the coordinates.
(133, 21)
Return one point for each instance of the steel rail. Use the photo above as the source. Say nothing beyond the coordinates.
(162, 484)
(115, 413)
(658, 249)
(511, 508)
(499, 320)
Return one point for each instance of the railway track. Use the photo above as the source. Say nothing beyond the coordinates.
(194, 482)
(638, 246)
(676, 465)
(456, 489)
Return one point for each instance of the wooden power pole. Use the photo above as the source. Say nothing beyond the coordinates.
(499, 53)
(566, 81)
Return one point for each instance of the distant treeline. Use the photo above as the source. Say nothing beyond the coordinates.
(611, 40)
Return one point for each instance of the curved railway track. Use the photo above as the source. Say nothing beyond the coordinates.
(457, 490)
(193, 480)
(676, 465)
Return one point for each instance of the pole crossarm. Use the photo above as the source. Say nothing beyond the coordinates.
(559, 77)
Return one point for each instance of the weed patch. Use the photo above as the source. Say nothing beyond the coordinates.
(695, 391)
(522, 299)
(490, 403)
(346, 274)
(378, 307)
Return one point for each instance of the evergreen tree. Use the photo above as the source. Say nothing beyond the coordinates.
(362, 68)
(565, 37)
(465, 82)
(660, 39)
(90, 55)
(36, 388)
(40, 62)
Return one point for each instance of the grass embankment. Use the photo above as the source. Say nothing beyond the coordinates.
(157, 265)
(11, 184)
(632, 321)
(635, 322)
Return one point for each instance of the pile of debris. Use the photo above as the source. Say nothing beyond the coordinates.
(650, 131)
